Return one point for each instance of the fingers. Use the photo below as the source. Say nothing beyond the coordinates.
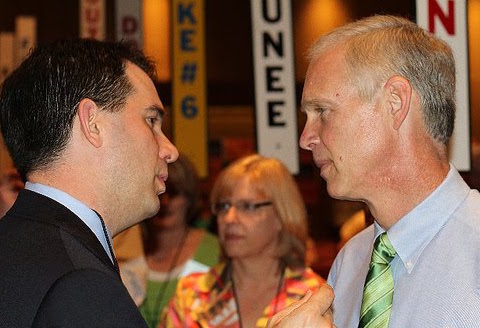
(280, 315)
(313, 308)
(327, 319)
(322, 299)
(300, 302)
(329, 314)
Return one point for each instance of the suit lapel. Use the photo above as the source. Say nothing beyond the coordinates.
(36, 207)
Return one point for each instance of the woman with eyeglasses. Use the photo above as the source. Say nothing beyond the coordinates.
(174, 248)
(262, 227)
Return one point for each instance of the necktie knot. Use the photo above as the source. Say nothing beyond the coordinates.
(383, 251)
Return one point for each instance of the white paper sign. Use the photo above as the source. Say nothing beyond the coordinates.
(275, 107)
(128, 21)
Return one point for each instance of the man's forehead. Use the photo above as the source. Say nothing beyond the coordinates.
(141, 81)
(334, 55)
(133, 71)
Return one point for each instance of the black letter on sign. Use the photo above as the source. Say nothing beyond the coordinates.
(275, 44)
(266, 16)
(272, 113)
(185, 13)
(271, 79)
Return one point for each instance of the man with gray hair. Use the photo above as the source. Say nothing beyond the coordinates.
(379, 96)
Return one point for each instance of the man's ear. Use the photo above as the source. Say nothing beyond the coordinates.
(88, 114)
(399, 95)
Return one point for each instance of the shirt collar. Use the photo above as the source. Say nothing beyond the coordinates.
(86, 214)
(412, 233)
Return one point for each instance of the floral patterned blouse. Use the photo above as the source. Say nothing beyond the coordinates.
(207, 300)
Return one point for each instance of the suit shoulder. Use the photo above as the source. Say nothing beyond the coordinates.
(88, 297)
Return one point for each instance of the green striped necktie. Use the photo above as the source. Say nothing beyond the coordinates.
(378, 290)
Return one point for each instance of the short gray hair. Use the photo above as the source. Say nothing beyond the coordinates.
(379, 47)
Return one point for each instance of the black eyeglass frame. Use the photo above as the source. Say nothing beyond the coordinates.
(222, 208)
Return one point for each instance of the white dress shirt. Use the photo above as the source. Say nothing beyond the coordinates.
(437, 267)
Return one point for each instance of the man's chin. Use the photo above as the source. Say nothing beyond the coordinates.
(153, 210)
(334, 191)
(339, 194)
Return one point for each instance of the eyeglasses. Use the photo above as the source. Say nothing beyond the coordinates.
(243, 207)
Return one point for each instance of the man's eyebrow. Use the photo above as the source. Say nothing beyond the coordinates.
(314, 103)
(159, 110)
(308, 104)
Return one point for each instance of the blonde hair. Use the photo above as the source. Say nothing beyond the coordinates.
(270, 178)
(379, 47)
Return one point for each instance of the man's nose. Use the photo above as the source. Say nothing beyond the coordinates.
(308, 137)
(167, 149)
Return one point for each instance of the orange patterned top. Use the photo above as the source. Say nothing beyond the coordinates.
(207, 300)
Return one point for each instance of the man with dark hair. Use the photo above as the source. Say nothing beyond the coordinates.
(82, 122)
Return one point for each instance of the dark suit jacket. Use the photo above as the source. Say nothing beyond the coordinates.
(55, 273)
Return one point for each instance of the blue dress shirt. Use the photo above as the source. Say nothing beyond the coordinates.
(437, 267)
(86, 214)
